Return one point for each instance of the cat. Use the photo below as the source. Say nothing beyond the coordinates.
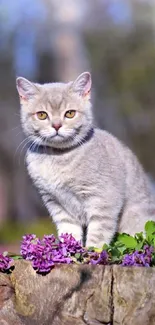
(91, 183)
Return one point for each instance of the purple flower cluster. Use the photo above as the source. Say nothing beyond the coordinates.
(69, 244)
(48, 251)
(5, 263)
(102, 258)
(139, 258)
(45, 253)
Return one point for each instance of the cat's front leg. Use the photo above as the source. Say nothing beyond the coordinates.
(99, 232)
(66, 226)
(101, 223)
(64, 222)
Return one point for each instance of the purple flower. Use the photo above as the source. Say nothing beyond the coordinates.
(5, 263)
(101, 258)
(70, 244)
(27, 246)
(138, 258)
(48, 251)
(42, 261)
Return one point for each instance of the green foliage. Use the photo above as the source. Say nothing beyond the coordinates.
(124, 244)
(15, 257)
(150, 232)
(128, 241)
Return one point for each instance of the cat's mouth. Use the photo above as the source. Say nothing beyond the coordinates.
(56, 136)
(59, 136)
(55, 139)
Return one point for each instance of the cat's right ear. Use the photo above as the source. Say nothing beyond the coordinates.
(26, 89)
(82, 85)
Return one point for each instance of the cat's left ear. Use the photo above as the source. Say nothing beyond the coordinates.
(26, 88)
(82, 85)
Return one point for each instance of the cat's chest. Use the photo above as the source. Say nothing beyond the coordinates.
(56, 175)
(50, 172)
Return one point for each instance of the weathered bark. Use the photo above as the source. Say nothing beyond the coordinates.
(78, 295)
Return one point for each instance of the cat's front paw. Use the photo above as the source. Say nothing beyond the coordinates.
(74, 230)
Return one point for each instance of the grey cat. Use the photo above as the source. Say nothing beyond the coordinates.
(91, 183)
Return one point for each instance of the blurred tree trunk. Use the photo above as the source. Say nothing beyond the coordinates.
(67, 42)
(18, 198)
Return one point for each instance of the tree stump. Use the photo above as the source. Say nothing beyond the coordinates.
(78, 295)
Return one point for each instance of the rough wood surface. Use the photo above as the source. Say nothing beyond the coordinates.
(78, 295)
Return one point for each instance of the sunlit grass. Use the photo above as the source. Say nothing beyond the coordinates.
(11, 232)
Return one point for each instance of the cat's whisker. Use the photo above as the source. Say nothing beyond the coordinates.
(18, 133)
(79, 141)
(25, 157)
(39, 142)
(21, 151)
(15, 128)
(35, 142)
(24, 146)
(26, 139)
(42, 140)
(25, 142)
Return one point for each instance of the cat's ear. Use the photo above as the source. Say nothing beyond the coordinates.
(82, 85)
(26, 89)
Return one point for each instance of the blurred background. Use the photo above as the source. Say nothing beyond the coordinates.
(55, 40)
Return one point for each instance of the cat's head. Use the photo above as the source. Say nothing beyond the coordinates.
(56, 114)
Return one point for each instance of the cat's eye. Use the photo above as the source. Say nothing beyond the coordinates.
(42, 115)
(70, 114)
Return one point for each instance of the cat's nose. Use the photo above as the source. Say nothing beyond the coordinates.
(56, 126)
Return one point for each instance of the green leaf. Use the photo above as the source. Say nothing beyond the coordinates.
(77, 256)
(128, 241)
(139, 236)
(121, 249)
(150, 227)
(98, 250)
(115, 259)
(150, 231)
(105, 247)
(141, 241)
(17, 257)
(91, 248)
(115, 252)
(153, 259)
(139, 246)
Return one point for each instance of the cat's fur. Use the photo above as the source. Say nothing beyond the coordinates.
(91, 184)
